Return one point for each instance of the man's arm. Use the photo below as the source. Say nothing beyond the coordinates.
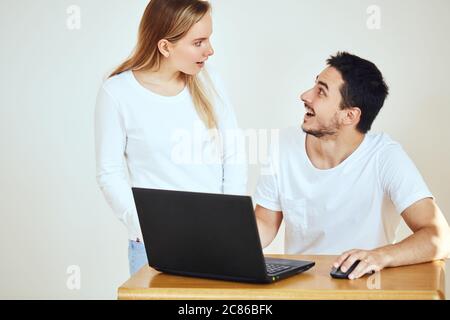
(268, 224)
(430, 241)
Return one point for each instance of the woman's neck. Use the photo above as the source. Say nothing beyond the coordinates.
(165, 81)
(164, 75)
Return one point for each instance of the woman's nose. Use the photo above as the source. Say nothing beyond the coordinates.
(210, 50)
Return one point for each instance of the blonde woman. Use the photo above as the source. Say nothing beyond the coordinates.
(160, 118)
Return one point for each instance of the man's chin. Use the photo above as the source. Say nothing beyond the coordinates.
(303, 127)
(321, 132)
(308, 131)
(314, 133)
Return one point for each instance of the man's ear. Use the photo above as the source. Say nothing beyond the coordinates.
(164, 47)
(352, 116)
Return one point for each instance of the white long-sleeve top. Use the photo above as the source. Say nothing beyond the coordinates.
(163, 144)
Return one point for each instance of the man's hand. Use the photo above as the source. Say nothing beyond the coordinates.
(371, 261)
(430, 241)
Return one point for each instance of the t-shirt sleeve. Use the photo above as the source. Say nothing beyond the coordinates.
(400, 179)
(267, 194)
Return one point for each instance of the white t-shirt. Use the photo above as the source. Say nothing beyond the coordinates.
(164, 143)
(335, 210)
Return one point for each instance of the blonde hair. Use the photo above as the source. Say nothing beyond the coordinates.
(171, 20)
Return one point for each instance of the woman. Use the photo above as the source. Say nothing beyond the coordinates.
(163, 114)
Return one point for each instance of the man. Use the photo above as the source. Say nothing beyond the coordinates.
(328, 181)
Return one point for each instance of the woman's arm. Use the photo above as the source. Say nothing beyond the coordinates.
(110, 144)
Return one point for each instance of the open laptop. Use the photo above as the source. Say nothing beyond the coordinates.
(207, 235)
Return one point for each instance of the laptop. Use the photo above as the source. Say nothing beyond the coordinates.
(207, 235)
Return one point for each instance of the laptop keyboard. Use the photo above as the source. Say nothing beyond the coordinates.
(276, 268)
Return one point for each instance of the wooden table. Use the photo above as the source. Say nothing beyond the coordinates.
(423, 281)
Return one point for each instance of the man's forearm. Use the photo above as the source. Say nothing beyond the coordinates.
(425, 245)
(266, 234)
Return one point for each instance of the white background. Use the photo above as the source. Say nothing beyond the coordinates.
(52, 213)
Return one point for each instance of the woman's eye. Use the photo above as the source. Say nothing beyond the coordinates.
(198, 43)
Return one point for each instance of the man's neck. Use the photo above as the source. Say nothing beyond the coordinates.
(330, 151)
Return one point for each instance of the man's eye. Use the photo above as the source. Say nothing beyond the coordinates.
(321, 92)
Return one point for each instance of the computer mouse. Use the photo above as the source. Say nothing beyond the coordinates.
(338, 274)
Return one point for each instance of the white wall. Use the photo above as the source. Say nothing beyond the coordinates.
(268, 52)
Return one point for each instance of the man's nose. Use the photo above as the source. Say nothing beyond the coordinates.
(306, 96)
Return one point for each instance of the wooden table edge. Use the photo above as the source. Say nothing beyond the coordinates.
(252, 294)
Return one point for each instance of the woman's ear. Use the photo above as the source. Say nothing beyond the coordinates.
(163, 46)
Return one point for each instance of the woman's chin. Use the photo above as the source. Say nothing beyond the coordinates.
(195, 70)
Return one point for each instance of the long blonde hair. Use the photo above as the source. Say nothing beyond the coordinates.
(171, 20)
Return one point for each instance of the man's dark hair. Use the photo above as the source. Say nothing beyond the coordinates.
(364, 87)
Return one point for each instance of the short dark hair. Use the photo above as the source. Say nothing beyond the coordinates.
(364, 87)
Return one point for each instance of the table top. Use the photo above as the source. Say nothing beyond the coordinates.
(421, 281)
